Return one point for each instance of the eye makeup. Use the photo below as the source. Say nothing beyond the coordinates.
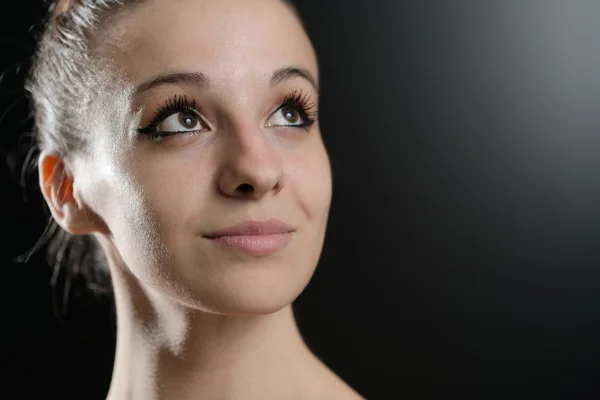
(302, 104)
(296, 103)
(179, 103)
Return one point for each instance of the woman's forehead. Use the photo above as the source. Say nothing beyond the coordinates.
(220, 38)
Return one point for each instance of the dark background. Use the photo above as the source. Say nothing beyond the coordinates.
(463, 251)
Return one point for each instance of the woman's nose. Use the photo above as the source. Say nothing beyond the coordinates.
(251, 166)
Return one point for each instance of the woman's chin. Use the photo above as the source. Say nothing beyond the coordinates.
(257, 293)
(243, 303)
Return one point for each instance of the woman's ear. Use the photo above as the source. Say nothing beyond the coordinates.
(70, 213)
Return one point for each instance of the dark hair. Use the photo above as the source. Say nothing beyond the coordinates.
(61, 85)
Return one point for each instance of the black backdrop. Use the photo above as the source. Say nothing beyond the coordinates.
(462, 254)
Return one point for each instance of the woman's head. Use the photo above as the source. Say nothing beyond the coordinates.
(162, 122)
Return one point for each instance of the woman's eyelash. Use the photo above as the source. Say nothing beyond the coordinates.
(296, 99)
(171, 106)
(301, 102)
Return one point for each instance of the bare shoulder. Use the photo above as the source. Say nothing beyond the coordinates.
(330, 386)
(339, 389)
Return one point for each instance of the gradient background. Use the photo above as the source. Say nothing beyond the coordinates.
(462, 254)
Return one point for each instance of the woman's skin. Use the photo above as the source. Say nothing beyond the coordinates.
(198, 319)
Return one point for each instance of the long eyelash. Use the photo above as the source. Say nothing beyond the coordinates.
(303, 105)
(295, 99)
(177, 103)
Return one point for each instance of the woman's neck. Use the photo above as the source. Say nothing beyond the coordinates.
(166, 350)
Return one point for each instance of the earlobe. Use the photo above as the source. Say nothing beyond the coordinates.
(58, 191)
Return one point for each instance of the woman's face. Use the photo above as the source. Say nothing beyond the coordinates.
(225, 95)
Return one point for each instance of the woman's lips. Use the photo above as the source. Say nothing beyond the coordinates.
(259, 238)
(258, 245)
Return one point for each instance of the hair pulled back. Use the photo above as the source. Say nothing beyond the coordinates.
(61, 89)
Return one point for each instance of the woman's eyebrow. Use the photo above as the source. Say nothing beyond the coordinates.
(293, 72)
(190, 78)
(201, 80)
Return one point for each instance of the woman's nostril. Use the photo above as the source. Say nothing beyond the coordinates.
(245, 188)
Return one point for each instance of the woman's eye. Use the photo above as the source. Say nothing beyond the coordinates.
(286, 116)
(182, 121)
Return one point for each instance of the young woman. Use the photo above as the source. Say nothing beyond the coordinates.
(182, 135)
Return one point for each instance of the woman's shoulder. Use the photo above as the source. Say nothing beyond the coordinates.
(340, 390)
(331, 386)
